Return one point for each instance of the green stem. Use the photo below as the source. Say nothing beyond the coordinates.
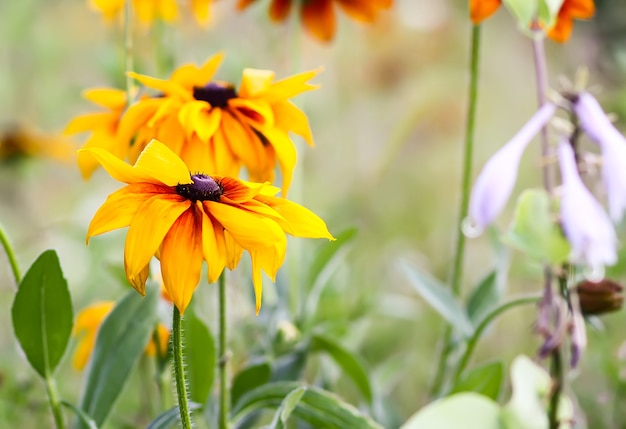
(557, 373)
(459, 252)
(179, 370)
(11, 255)
(224, 357)
(55, 404)
(471, 344)
(128, 50)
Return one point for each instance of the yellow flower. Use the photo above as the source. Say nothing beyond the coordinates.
(184, 219)
(86, 327)
(17, 141)
(318, 16)
(147, 11)
(215, 128)
(102, 125)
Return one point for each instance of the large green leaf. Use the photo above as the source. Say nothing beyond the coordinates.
(440, 298)
(121, 340)
(348, 361)
(483, 298)
(463, 410)
(486, 380)
(250, 378)
(534, 230)
(42, 314)
(319, 408)
(200, 357)
(171, 418)
(286, 408)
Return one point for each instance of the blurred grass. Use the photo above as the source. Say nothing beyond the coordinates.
(388, 124)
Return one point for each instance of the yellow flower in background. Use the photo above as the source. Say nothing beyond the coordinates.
(17, 141)
(86, 327)
(318, 16)
(102, 125)
(217, 128)
(148, 11)
(185, 218)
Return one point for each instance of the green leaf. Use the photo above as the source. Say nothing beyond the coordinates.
(348, 361)
(170, 418)
(457, 411)
(42, 314)
(122, 339)
(286, 408)
(483, 298)
(534, 230)
(524, 11)
(200, 356)
(486, 380)
(250, 378)
(87, 421)
(440, 298)
(319, 408)
(548, 12)
(327, 253)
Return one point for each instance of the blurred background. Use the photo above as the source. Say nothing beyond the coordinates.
(388, 123)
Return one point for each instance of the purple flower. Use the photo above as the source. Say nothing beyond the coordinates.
(495, 182)
(599, 128)
(585, 223)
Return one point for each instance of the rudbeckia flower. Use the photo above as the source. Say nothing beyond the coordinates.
(185, 218)
(318, 16)
(102, 125)
(562, 28)
(17, 142)
(86, 327)
(217, 128)
(585, 223)
(496, 181)
(147, 11)
(612, 143)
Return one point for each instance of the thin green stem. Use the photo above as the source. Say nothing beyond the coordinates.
(55, 404)
(224, 357)
(471, 344)
(557, 373)
(179, 370)
(459, 251)
(11, 255)
(129, 50)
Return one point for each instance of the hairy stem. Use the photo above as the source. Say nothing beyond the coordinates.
(179, 370)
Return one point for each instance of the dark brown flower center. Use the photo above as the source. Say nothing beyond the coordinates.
(203, 188)
(216, 94)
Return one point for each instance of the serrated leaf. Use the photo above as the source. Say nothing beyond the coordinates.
(440, 298)
(457, 411)
(347, 361)
(319, 408)
(200, 356)
(121, 340)
(250, 378)
(483, 298)
(286, 408)
(42, 314)
(485, 380)
(524, 11)
(170, 418)
(534, 231)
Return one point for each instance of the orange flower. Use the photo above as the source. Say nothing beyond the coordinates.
(562, 29)
(318, 16)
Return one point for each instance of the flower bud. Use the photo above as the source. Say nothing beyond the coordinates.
(600, 297)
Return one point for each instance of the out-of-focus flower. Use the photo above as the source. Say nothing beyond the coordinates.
(562, 28)
(600, 297)
(599, 128)
(495, 183)
(86, 327)
(216, 128)
(20, 142)
(103, 126)
(318, 16)
(186, 218)
(148, 11)
(585, 223)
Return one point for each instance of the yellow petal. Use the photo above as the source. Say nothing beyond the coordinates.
(103, 139)
(90, 122)
(152, 221)
(213, 247)
(86, 327)
(237, 191)
(244, 144)
(112, 98)
(168, 10)
(189, 75)
(288, 117)
(255, 81)
(303, 222)
(167, 86)
(181, 258)
(162, 336)
(137, 116)
(201, 11)
(290, 87)
(208, 123)
(258, 112)
(257, 282)
(285, 152)
(233, 251)
(117, 169)
(225, 161)
(197, 156)
(158, 161)
(188, 116)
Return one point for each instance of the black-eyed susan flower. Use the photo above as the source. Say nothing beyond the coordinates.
(185, 218)
(102, 125)
(148, 11)
(86, 327)
(217, 128)
(18, 142)
(318, 16)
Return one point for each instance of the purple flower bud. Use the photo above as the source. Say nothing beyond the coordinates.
(495, 182)
(585, 223)
(599, 128)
